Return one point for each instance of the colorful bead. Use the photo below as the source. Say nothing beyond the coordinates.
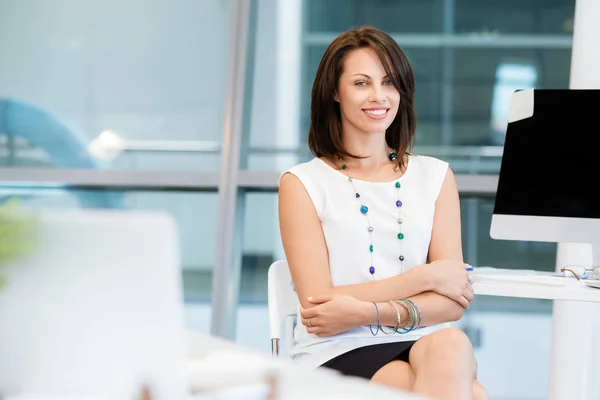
(401, 236)
(400, 221)
(370, 229)
(401, 258)
(357, 195)
(398, 203)
(398, 185)
(344, 166)
(372, 270)
(393, 156)
(371, 248)
(364, 209)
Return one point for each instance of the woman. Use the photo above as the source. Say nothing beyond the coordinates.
(372, 234)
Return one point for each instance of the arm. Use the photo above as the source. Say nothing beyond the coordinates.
(306, 254)
(446, 244)
(335, 313)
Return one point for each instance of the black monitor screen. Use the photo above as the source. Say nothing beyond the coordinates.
(551, 161)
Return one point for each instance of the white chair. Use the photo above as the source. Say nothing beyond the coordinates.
(283, 303)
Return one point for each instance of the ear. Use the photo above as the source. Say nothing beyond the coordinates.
(336, 98)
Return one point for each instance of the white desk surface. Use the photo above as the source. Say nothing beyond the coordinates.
(531, 286)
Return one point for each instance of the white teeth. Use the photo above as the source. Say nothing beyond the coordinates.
(376, 112)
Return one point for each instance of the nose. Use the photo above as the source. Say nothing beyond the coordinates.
(377, 94)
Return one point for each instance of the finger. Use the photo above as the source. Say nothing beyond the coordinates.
(320, 299)
(309, 312)
(463, 302)
(467, 302)
(468, 295)
(309, 322)
(315, 330)
(303, 312)
(470, 287)
(313, 321)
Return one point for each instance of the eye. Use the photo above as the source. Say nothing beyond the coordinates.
(387, 82)
(360, 83)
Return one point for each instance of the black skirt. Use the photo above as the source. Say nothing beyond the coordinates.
(365, 361)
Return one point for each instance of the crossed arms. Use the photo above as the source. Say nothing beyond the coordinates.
(439, 288)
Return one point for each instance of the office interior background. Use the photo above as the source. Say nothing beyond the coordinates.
(190, 107)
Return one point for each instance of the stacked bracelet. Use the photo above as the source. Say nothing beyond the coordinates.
(395, 329)
(414, 316)
(412, 323)
(378, 322)
(417, 312)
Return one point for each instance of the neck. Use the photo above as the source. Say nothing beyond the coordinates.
(372, 147)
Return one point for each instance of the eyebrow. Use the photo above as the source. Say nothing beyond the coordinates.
(367, 76)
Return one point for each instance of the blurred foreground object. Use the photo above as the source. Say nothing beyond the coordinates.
(16, 234)
(96, 310)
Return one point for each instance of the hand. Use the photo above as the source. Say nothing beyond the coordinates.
(451, 279)
(333, 313)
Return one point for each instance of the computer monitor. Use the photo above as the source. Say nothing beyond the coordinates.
(550, 170)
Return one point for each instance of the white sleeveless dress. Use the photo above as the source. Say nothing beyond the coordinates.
(347, 238)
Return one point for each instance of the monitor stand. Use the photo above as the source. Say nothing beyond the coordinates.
(575, 350)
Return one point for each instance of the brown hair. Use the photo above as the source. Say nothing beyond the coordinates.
(325, 131)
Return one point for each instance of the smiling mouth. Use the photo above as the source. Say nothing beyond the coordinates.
(376, 112)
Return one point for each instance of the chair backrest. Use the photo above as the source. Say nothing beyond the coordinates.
(283, 300)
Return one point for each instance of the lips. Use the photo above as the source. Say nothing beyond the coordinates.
(376, 113)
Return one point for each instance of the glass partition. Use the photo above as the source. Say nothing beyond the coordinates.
(113, 84)
(468, 58)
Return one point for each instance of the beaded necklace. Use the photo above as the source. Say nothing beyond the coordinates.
(364, 210)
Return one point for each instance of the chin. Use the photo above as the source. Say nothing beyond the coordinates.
(374, 131)
(376, 126)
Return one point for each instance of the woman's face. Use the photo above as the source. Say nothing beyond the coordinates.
(368, 99)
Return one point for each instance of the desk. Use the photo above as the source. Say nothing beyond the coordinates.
(569, 355)
(577, 291)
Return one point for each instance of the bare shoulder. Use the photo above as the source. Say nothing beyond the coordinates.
(450, 178)
(297, 195)
(449, 189)
(292, 190)
(289, 181)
